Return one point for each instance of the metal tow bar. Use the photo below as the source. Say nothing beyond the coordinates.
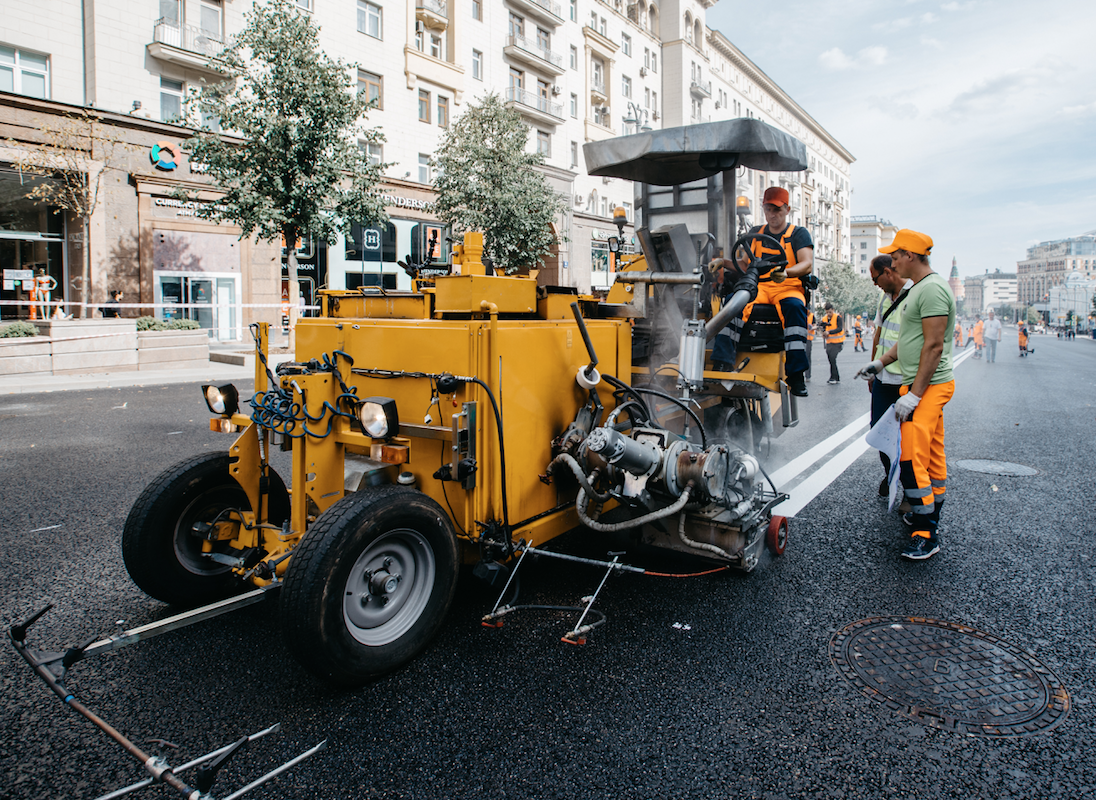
(577, 634)
(52, 667)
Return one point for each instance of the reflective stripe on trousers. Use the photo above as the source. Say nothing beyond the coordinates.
(924, 469)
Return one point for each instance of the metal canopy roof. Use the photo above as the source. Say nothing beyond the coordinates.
(673, 156)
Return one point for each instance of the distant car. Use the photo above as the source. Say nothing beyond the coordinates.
(1040, 328)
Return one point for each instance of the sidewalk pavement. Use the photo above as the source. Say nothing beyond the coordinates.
(215, 372)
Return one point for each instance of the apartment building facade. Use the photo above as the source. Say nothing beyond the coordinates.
(867, 234)
(1049, 264)
(576, 70)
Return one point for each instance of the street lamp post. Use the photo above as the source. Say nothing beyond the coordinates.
(637, 116)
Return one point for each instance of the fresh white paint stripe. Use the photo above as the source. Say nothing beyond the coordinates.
(797, 466)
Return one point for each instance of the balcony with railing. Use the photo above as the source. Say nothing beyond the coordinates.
(433, 14)
(544, 10)
(185, 45)
(534, 106)
(701, 89)
(598, 93)
(534, 54)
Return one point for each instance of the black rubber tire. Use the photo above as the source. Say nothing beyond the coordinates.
(159, 553)
(326, 618)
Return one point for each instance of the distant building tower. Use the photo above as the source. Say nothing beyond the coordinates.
(955, 282)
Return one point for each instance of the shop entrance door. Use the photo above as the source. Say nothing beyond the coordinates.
(209, 300)
(226, 308)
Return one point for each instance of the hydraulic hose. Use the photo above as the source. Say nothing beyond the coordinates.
(711, 548)
(616, 527)
(569, 460)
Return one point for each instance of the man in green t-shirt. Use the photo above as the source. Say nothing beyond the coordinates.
(923, 353)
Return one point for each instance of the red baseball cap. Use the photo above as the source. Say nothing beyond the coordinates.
(777, 195)
(911, 242)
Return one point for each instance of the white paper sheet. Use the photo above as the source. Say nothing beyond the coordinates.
(886, 437)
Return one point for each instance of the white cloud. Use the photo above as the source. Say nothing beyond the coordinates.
(873, 55)
(929, 18)
(835, 59)
(1078, 110)
(893, 25)
(935, 44)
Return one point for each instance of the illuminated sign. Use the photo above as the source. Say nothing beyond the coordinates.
(165, 156)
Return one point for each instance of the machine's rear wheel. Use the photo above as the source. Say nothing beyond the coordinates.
(369, 585)
(160, 549)
(777, 537)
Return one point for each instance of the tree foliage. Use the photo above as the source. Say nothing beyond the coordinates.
(487, 182)
(299, 172)
(849, 292)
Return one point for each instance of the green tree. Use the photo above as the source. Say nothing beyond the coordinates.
(1033, 316)
(487, 182)
(849, 292)
(299, 171)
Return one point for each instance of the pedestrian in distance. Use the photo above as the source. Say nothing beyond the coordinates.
(991, 335)
(976, 333)
(958, 333)
(810, 343)
(1024, 349)
(111, 309)
(923, 353)
(858, 336)
(884, 383)
(834, 326)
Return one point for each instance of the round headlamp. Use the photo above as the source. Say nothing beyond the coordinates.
(223, 400)
(378, 417)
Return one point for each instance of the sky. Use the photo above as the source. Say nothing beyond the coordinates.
(973, 121)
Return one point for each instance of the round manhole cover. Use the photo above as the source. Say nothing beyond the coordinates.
(950, 676)
(991, 467)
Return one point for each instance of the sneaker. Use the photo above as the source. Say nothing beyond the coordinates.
(907, 518)
(796, 384)
(884, 488)
(832, 382)
(921, 548)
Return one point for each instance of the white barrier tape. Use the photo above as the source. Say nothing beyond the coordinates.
(147, 305)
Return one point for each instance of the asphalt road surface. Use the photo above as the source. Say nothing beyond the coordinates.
(712, 687)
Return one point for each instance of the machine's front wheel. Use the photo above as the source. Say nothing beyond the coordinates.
(160, 547)
(369, 585)
(777, 536)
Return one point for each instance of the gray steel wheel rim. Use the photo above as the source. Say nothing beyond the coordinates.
(372, 622)
(187, 546)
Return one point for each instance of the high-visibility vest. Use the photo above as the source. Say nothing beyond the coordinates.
(759, 249)
(835, 330)
(810, 326)
(888, 330)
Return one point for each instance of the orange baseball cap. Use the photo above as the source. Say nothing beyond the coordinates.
(777, 195)
(910, 241)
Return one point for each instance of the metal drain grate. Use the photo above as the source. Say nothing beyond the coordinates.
(991, 467)
(950, 676)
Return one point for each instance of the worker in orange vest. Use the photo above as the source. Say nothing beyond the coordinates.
(979, 343)
(958, 333)
(835, 340)
(858, 336)
(810, 341)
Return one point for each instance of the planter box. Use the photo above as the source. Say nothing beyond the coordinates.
(91, 345)
(29, 356)
(172, 349)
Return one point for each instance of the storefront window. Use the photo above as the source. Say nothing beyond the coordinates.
(32, 243)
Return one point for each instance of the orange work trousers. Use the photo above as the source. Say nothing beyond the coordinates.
(922, 467)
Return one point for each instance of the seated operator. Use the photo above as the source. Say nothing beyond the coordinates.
(788, 296)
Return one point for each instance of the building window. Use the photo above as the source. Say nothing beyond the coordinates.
(424, 168)
(574, 106)
(477, 10)
(477, 65)
(646, 98)
(374, 151)
(171, 12)
(654, 102)
(437, 47)
(863, 245)
(544, 39)
(626, 85)
(24, 73)
(654, 61)
(369, 19)
(305, 4)
(517, 79)
(516, 25)
(574, 57)
(601, 115)
(544, 99)
(626, 44)
(574, 10)
(598, 77)
(171, 100)
(647, 57)
(210, 19)
(370, 87)
(443, 111)
(424, 105)
(574, 154)
(544, 143)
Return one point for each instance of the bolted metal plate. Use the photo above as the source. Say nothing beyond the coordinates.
(950, 676)
(991, 467)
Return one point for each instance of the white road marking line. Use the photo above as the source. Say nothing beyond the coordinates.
(47, 528)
